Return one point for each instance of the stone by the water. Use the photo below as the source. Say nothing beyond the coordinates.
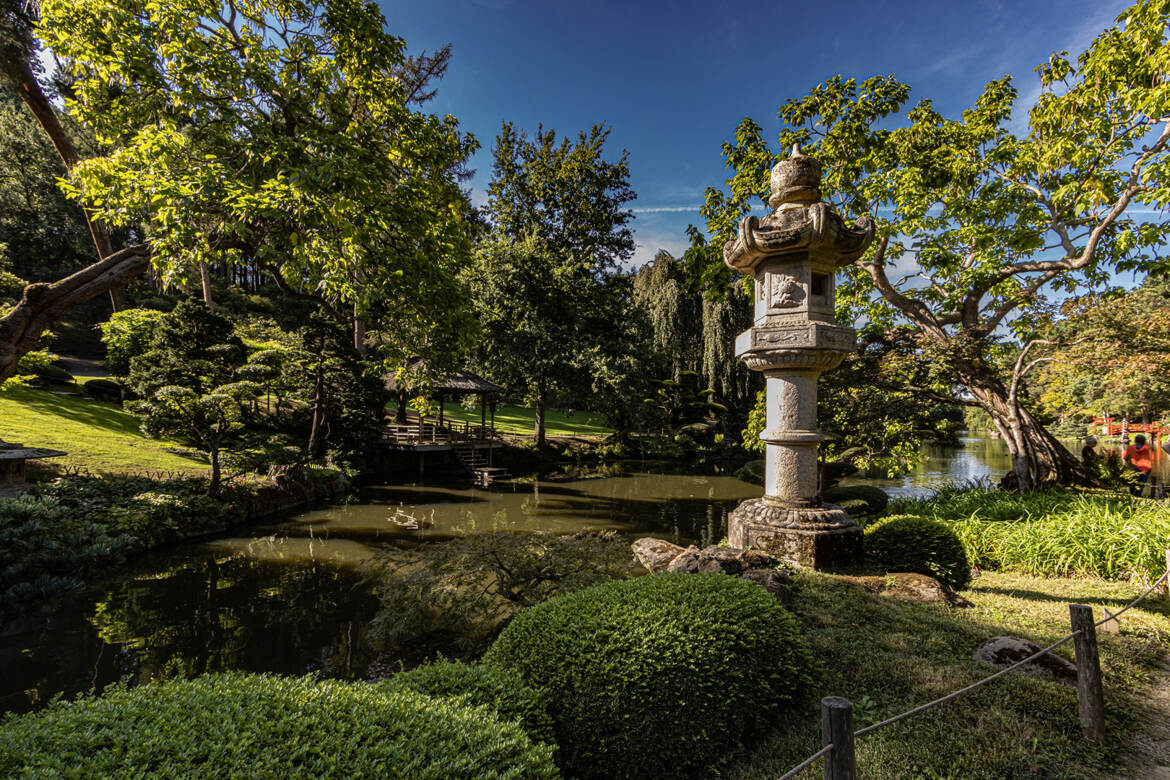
(656, 554)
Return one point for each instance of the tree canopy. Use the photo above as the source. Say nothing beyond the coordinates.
(975, 223)
(280, 132)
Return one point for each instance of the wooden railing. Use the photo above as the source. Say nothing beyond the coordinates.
(427, 430)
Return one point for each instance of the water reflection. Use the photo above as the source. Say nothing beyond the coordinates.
(980, 457)
(682, 507)
(295, 597)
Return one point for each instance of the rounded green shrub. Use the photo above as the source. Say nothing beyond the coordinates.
(658, 676)
(858, 499)
(502, 690)
(104, 389)
(921, 545)
(242, 725)
(53, 375)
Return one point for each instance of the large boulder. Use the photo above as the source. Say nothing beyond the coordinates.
(911, 587)
(1007, 650)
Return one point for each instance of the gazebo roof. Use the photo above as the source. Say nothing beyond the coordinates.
(12, 451)
(459, 382)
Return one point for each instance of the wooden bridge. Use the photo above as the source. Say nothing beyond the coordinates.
(1117, 426)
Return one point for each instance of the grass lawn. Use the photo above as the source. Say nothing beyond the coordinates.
(521, 420)
(888, 656)
(99, 436)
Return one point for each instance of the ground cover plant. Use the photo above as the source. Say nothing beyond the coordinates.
(1059, 532)
(659, 676)
(98, 436)
(888, 656)
(501, 690)
(240, 725)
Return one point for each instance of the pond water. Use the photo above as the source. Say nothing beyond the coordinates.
(296, 597)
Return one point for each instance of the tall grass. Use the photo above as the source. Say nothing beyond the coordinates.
(1056, 532)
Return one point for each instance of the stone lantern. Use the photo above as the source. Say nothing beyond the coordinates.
(793, 254)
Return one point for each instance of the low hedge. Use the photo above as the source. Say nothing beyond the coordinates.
(241, 725)
(921, 545)
(501, 690)
(658, 676)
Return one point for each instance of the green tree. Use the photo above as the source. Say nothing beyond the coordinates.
(980, 222)
(546, 282)
(190, 384)
(128, 334)
(45, 233)
(275, 133)
(1111, 353)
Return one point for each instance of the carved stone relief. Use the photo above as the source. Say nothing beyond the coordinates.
(784, 291)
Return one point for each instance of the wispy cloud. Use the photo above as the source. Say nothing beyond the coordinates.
(666, 210)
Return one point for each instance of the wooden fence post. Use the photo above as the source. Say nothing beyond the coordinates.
(1090, 696)
(1166, 582)
(837, 730)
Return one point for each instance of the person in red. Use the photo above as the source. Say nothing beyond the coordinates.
(1139, 456)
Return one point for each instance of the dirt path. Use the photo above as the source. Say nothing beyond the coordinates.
(1149, 748)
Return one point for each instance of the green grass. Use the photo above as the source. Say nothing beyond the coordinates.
(1058, 532)
(888, 656)
(521, 420)
(98, 436)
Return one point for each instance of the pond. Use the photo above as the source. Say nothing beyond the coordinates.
(296, 597)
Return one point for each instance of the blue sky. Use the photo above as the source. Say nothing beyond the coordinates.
(674, 78)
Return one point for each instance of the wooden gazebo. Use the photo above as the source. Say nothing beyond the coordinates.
(454, 385)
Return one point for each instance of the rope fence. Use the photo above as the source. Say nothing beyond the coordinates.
(837, 734)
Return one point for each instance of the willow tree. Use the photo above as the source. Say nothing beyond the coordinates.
(280, 133)
(976, 223)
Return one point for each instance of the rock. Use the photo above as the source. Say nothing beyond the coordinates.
(758, 559)
(778, 583)
(656, 554)
(1007, 650)
(715, 559)
(687, 562)
(907, 586)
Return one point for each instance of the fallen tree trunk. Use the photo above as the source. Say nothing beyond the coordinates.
(41, 304)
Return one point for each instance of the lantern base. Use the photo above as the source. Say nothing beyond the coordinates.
(823, 537)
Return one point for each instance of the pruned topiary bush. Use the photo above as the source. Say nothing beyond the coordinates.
(501, 690)
(242, 725)
(919, 544)
(104, 390)
(858, 499)
(660, 676)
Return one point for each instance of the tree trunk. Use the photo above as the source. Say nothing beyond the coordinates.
(14, 62)
(41, 304)
(316, 441)
(359, 333)
(400, 412)
(541, 397)
(1038, 458)
(205, 284)
(213, 487)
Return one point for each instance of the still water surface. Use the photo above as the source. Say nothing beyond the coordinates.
(294, 597)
